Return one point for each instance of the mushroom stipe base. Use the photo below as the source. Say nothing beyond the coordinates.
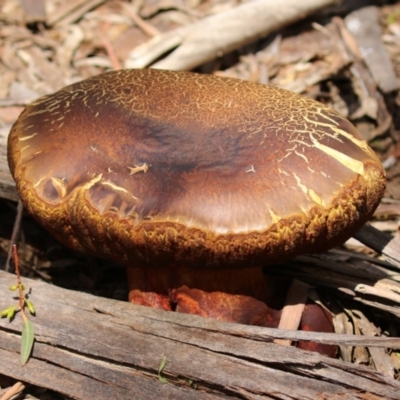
(242, 295)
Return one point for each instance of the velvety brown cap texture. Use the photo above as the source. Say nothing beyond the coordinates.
(150, 166)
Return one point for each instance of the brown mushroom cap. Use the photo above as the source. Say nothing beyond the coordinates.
(143, 165)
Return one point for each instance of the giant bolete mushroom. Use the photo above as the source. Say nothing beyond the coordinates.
(192, 181)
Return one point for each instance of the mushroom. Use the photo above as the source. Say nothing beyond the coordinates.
(194, 182)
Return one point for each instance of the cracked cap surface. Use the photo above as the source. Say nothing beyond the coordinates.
(136, 165)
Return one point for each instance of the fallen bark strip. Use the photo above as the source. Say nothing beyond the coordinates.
(219, 34)
(88, 347)
(381, 242)
(141, 317)
(81, 379)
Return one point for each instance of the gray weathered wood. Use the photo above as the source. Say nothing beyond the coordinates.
(381, 242)
(88, 347)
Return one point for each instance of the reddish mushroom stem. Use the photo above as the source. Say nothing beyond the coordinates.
(232, 295)
(242, 295)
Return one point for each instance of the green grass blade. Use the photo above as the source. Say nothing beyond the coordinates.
(28, 334)
(160, 369)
